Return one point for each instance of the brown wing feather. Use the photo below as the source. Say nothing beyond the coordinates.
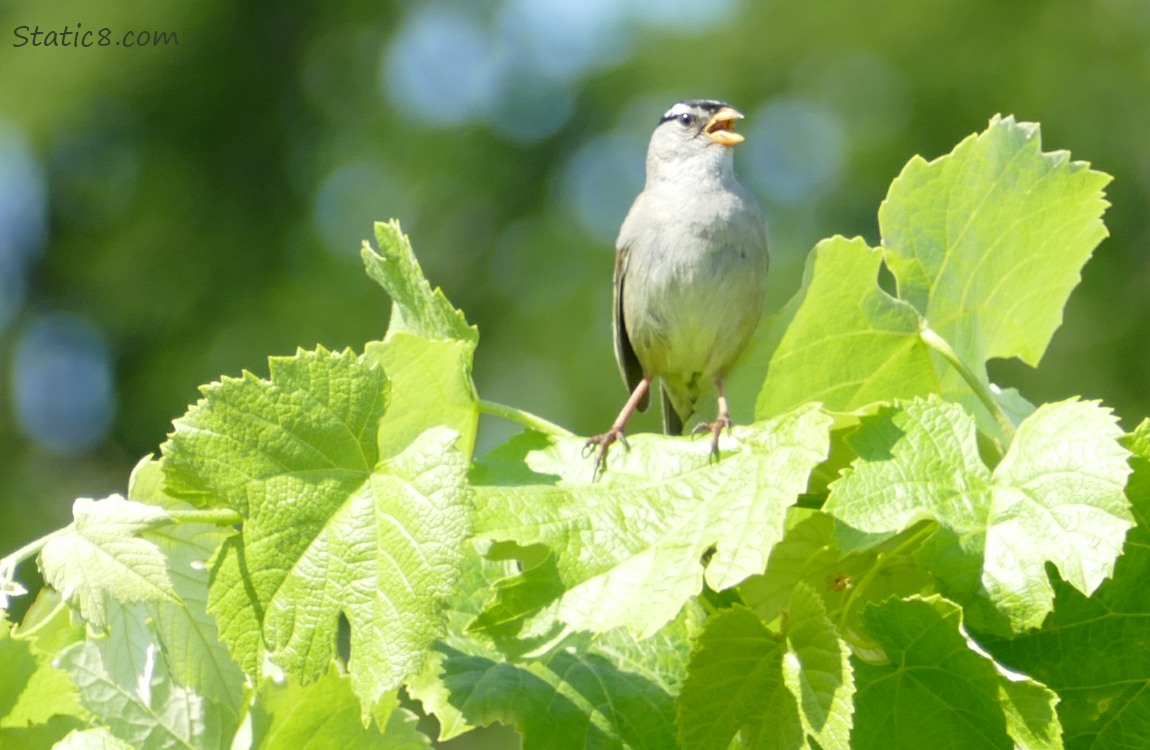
(629, 366)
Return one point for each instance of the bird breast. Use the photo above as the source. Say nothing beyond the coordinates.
(694, 281)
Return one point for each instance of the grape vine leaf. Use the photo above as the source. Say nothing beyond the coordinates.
(565, 699)
(181, 631)
(319, 409)
(47, 697)
(38, 703)
(417, 309)
(17, 663)
(842, 341)
(985, 245)
(37, 736)
(430, 385)
(810, 554)
(940, 690)
(427, 352)
(646, 671)
(988, 241)
(100, 557)
(162, 716)
(779, 690)
(326, 714)
(1092, 650)
(100, 738)
(1057, 495)
(636, 675)
(331, 526)
(627, 548)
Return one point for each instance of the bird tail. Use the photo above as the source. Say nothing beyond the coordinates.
(672, 421)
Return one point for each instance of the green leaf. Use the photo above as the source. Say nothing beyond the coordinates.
(779, 690)
(39, 736)
(32, 692)
(565, 700)
(1092, 650)
(384, 554)
(985, 245)
(817, 672)
(17, 664)
(987, 242)
(1056, 496)
(808, 553)
(417, 309)
(1059, 496)
(100, 557)
(316, 418)
(331, 526)
(92, 739)
(155, 715)
(184, 631)
(465, 603)
(939, 690)
(181, 630)
(653, 667)
(430, 386)
(427, 352)
(841, 341)
(627, 549)
(327, 714)
(661, 658)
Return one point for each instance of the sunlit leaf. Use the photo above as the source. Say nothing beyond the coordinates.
(630, 548)
(1056, 496)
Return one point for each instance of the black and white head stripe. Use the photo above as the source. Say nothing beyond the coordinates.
(692, 106)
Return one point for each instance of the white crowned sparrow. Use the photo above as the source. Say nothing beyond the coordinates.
(690, 271)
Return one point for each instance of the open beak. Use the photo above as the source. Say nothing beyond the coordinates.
(720, 128)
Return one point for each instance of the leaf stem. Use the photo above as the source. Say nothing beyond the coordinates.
(882, 560)
(9, 562)
(528, 420)
(943, 347)
(213, 516)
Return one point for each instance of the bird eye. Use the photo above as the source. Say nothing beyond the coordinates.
(686, 118)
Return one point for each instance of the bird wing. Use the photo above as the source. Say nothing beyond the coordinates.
(629, 366)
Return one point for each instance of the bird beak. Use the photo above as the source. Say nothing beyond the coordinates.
(720, 128)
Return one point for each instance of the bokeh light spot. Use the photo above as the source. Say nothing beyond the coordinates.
(351, 199)
(795, 148)
(603, 179)
(23, 210)
(443, 66)
(864, 90)
(62, 384)
(683, 15)
(530, 107)
(565, 39)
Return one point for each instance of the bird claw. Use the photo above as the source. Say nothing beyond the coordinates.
(716, 429)
(603, 442)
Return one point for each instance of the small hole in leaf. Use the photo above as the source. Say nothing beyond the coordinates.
(343, 639)
(886, 280)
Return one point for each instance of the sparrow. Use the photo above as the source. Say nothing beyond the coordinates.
(691, 266)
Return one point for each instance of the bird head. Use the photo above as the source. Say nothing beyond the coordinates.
(694, 134)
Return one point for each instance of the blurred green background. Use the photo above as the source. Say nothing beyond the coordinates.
(170, 214)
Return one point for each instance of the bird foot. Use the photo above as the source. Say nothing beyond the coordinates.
(603, 442)
(716, 429)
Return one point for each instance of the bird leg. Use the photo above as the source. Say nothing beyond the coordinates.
(723, 420)
(616, 432)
